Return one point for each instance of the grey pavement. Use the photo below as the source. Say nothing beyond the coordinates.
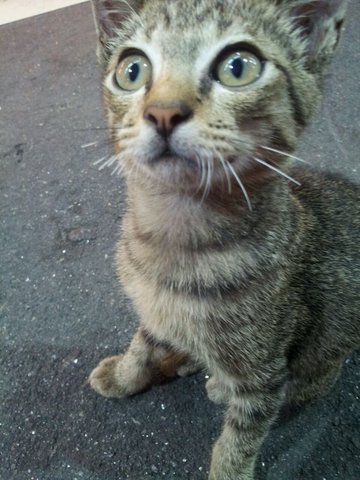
(61, 310)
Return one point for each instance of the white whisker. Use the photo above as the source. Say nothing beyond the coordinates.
(226, 172)
(277, 170)
(203, 173)
(100, 160)
(106, 162)
(280, 152)
(199, 169)
(211, 171)
(118, 169)
(203, 170)
(241, 185)
(109, 163)
(206, 179)
(87, 145)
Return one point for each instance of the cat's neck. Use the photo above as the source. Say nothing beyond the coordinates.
(180, 219)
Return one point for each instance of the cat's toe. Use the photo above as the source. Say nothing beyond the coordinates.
(103, 378)
(216, 392)
(188, 369)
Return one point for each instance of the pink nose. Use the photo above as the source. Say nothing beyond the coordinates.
(165, 119)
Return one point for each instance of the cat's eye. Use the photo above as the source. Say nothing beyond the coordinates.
(238, 68)
(133, 72)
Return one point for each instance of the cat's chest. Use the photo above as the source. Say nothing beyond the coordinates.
(180, 296)
(163, 291)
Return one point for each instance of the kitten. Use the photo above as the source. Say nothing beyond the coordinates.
(237, 261)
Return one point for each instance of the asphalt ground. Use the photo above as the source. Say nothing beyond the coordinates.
(62, 311)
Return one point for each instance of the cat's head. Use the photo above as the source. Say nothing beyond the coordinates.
(198, 91)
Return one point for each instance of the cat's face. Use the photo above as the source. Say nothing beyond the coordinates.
(199, 91)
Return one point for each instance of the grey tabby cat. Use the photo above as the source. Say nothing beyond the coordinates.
(237, 261)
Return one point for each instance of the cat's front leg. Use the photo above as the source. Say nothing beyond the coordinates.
(123, 375)
(250, 414)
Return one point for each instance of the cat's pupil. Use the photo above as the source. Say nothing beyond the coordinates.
(236, 67)
(133, 71)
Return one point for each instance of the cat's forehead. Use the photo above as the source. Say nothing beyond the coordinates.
(177, 31)
(190, 15)
(190, 45)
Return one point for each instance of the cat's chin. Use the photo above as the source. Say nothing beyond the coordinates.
(170, 160)
(186, 175)
(173, 172)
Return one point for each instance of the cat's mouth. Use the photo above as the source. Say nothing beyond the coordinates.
(168, 155)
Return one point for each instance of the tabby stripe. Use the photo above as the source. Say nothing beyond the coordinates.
(255, 420)
(220, 290)
(137, 265)
(198, 291)
(280, 142)
(246, 421)
(263, 410)
(299, 114)
(154, 342)
(226, 240)
(271, 387)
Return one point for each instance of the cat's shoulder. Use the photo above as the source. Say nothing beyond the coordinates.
(323, 181)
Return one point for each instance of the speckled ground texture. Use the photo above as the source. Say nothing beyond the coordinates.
(61, 308)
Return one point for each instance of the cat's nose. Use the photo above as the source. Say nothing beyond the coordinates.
(166, 118)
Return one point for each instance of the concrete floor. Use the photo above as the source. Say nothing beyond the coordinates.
(61, 310)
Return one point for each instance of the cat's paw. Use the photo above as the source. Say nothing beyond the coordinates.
(119, 376)
(188, 368)
(216, 391)
(103, 379)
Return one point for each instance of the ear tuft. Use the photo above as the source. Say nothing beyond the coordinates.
(109, 15)
(321, 23)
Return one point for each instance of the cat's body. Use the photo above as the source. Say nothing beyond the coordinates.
(231, 267)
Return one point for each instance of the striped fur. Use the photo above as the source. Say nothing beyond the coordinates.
(231, 267)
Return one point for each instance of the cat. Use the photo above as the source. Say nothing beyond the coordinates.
(239, 259)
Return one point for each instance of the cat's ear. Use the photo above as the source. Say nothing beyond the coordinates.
(321, 23)
(109, 15)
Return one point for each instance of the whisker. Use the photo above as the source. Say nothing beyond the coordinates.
(100, 160)
(226, 172)
(241, 185)
(211, 173)
(207, 167)
(277, 170)
(199, 169)
(206, 180)
(91, 144)
(210, 163)
(118, 169)
(280, 152)
(203, 173)
(106, 162)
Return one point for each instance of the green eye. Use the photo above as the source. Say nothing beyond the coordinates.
(238, 69)
(133, 72)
